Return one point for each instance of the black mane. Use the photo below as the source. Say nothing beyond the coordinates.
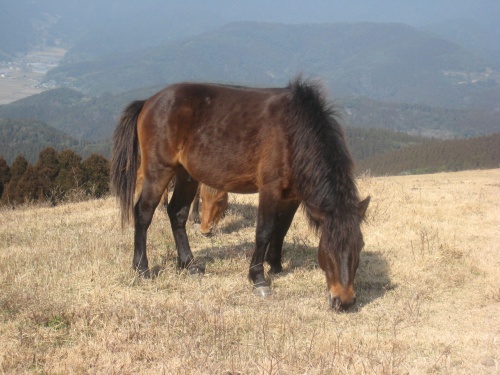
(322, 165)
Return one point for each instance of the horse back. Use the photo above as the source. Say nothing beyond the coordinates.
(220, 134)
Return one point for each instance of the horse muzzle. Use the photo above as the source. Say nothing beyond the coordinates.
(207, 234)
(337, 304)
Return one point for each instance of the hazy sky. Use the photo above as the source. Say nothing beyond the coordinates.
(414, 12)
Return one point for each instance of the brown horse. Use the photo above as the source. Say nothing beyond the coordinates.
(284, 143)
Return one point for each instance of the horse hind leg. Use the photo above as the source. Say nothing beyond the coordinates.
(178, 212)
(148, 197)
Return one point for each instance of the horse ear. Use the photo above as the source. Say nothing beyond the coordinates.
(315, 213)
(363, 206)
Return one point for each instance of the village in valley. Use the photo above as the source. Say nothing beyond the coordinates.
(23, 76)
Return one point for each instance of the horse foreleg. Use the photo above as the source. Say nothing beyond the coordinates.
(266, 218)
(283, 221)
(178, 212)
(195, 210)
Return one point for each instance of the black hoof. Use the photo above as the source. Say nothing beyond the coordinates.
(155, 271)
(143, 272)
(275, 270)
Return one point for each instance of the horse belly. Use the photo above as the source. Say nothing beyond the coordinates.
(232, 172)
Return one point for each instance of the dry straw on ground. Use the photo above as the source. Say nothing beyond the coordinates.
(428, 291)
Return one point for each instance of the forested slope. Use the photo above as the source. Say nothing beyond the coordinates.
(437, 156)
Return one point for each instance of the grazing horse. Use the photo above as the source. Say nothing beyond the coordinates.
(284, 143)
(213, 207)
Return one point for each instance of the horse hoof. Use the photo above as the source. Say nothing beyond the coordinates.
(155, 271)
(145, 274)
(262, 291)
(275, 270)
(196, 269)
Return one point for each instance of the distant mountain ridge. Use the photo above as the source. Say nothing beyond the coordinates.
(391, 62)
(98, 27)
(67, 110)
(476, 35)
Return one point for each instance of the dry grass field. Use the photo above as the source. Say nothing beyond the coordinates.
(428, 291)
(19, 85)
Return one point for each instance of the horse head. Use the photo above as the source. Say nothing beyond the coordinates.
(213, 206)
(338, 257)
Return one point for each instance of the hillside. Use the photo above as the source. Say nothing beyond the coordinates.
(364, 143)
(391, 62)
(91, 118)
(98, 28)
(29, 137)
(479, 36)
(427, 290)
(66, 110)
(418, 119)
(430, 157)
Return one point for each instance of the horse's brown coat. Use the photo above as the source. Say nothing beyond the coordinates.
(284, 143)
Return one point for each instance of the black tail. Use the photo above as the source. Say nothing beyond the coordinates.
(124, 161)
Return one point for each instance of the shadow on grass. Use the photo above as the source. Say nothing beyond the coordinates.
(372, 277)
(246, 217)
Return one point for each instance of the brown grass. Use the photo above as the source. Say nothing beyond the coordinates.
(428, 290)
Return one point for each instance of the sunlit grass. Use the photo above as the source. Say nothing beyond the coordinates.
(428, 290)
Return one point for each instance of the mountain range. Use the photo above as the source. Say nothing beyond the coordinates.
(396, 71)
(390, 62)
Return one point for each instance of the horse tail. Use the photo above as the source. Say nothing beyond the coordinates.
(125, 159)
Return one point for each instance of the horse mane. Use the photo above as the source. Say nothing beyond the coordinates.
(322, 165)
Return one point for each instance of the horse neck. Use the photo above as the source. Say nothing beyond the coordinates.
(322, 165)
(323, 174)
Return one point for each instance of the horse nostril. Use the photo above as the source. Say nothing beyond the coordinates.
(337, 305)
(334, 302)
